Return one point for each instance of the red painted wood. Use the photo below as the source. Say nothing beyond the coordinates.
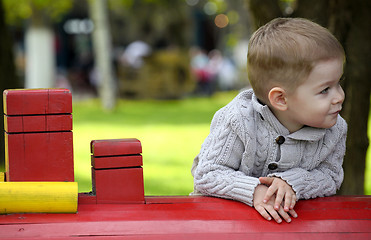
(117, 161)
(121, 185)
(115, 147)
(87, 198)
(195, 218)
(179, 227)
(216, 236)
(39, 156)
(38, 123)
(164, 209)
(37, 101)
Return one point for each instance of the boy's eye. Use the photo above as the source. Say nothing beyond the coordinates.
(324, 91)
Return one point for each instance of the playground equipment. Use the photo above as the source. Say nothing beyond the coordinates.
(39, 179)
(38, 136)
(38, 197)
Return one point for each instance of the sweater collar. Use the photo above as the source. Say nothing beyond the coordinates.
(305, 133)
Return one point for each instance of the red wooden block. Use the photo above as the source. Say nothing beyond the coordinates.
(37, 101)
(39, 156)
(122, 185)
(117, 161)
(87, 198)
(38, 123)
(115, 147)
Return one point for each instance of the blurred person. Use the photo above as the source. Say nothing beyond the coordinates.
(199, 67)
(134, 53)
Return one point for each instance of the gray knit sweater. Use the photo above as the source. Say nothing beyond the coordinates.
(243, 145)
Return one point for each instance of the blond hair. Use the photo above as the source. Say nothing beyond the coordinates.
(284, 51)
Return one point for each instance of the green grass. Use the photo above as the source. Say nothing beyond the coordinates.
(368, 159)
(171, 133)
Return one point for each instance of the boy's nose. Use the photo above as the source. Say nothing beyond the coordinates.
(339, 96)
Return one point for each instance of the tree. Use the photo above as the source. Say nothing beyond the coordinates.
(39, 37)
(349, 21)
(102, 48)
(7, 70)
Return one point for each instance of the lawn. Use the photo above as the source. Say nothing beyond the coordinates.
(171, 132)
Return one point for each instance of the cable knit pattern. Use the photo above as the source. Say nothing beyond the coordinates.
(241, 145)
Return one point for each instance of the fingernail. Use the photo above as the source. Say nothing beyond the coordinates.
(269, 219)
(264, 201)
(295, 215)
(286, 209)
(276, 207)
(289, 220)
(279, 220)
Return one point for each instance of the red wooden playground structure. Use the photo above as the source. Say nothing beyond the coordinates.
(39, 149)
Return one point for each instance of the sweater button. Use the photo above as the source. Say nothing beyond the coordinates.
(272, 166)
(280, 140)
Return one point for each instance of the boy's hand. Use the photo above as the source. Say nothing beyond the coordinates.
(267, 210)
(282, 190)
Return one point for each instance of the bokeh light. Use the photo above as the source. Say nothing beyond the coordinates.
(210, 8)
(221, 20)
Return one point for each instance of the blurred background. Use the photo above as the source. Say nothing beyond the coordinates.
(157, 70)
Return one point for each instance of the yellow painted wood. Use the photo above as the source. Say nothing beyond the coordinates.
(2, 176)
(38, 197)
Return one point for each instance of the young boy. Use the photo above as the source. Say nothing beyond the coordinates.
(284, 140)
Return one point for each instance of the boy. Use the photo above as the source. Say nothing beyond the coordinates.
(284, 140)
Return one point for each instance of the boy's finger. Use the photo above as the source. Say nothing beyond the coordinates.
(279, 198)
(293, 202)
(270, 192)
(288, 202)
(274, 214)
(263, 212)
(293, 213)
(266, 180)
(284, 215)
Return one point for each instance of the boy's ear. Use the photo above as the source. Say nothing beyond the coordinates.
(277, 98)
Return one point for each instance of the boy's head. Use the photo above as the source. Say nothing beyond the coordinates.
(284, 51)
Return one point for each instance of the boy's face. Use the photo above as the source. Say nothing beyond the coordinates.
(318, 101)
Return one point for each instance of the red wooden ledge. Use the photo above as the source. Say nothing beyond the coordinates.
(115, 147)
(338, 217)
(117, 161)
(37, 101)
(37, 123)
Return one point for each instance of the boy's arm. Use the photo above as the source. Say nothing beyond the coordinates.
(219, 176)
(220, 157)
(326, 178)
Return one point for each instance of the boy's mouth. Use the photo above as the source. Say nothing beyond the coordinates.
(335, 113)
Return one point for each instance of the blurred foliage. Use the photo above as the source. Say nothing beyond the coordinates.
(166, 74)
(164, 21)
(47, 10)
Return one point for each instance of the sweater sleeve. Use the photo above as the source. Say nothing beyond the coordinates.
(220, 157)
(326, 178)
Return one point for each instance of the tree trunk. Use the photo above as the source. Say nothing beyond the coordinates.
(263, 11)
(40, 63)
(357, 43)
(102, 48)
(315, 10)
(7, 70)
